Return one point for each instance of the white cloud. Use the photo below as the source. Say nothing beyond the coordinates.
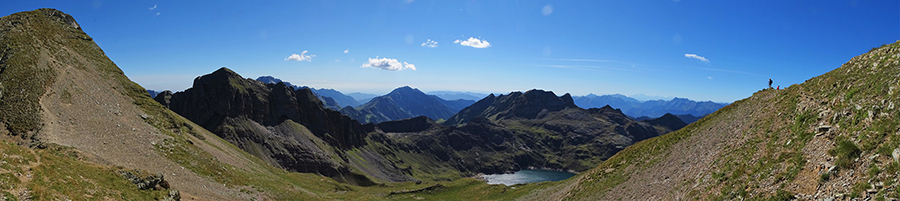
(474, 42)
(151, 8)
(387, 64)
(709, 78)
(694, 56)
(157, 13)
(430, 43)
(346, 51)
(300, 57)
(409, 66)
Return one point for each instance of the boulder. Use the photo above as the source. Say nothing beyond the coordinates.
(896, 155)
(145, 180)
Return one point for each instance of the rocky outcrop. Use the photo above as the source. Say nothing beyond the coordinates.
(225, 94)
(164, 98)
(144, 180)
(669, 121)
(417, 124)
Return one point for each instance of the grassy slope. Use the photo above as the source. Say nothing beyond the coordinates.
(771, 147)
(22, 81)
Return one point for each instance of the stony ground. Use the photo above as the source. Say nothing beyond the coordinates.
(88, 112)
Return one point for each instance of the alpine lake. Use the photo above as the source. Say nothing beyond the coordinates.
(527, 176)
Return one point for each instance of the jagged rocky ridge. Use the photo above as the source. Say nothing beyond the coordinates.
(534, 129)
(288, 128)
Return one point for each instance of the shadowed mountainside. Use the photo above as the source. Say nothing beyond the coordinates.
(288, 128)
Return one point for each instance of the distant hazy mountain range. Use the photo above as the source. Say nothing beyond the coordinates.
(362, 97)
(382, 109)
(406, 102)
(401, 103)
(654, 108)
(454, 95)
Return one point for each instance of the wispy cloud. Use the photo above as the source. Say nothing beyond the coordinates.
(153, 8)
(300, 57)
(547, 10)
(590, 67)
(387, 64)
(346, 51)
(729, 71)
(633, 65)
(474, 42)
(430, 43)
(694, 56)
(585, 60)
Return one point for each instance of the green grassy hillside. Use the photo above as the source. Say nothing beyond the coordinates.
(834, 136)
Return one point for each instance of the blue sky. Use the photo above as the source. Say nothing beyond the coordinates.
(702, 50)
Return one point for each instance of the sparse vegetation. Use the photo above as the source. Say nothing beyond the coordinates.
(824, 177)
(845, 152)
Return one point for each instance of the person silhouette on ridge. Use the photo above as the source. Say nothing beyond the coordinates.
(770, 83)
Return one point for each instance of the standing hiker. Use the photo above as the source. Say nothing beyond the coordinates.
(770, 83)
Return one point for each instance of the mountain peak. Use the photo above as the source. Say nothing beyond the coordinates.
(406, 89)
(221, 77)
(402, 103)
(225, 71)
(514, 105)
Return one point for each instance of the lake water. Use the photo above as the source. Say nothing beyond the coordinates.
(527, 176)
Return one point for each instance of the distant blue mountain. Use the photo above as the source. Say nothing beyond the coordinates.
(362, 97)
(653, 109)
(454, 95)
(152, 93)
(645, 97)
(341, 99)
